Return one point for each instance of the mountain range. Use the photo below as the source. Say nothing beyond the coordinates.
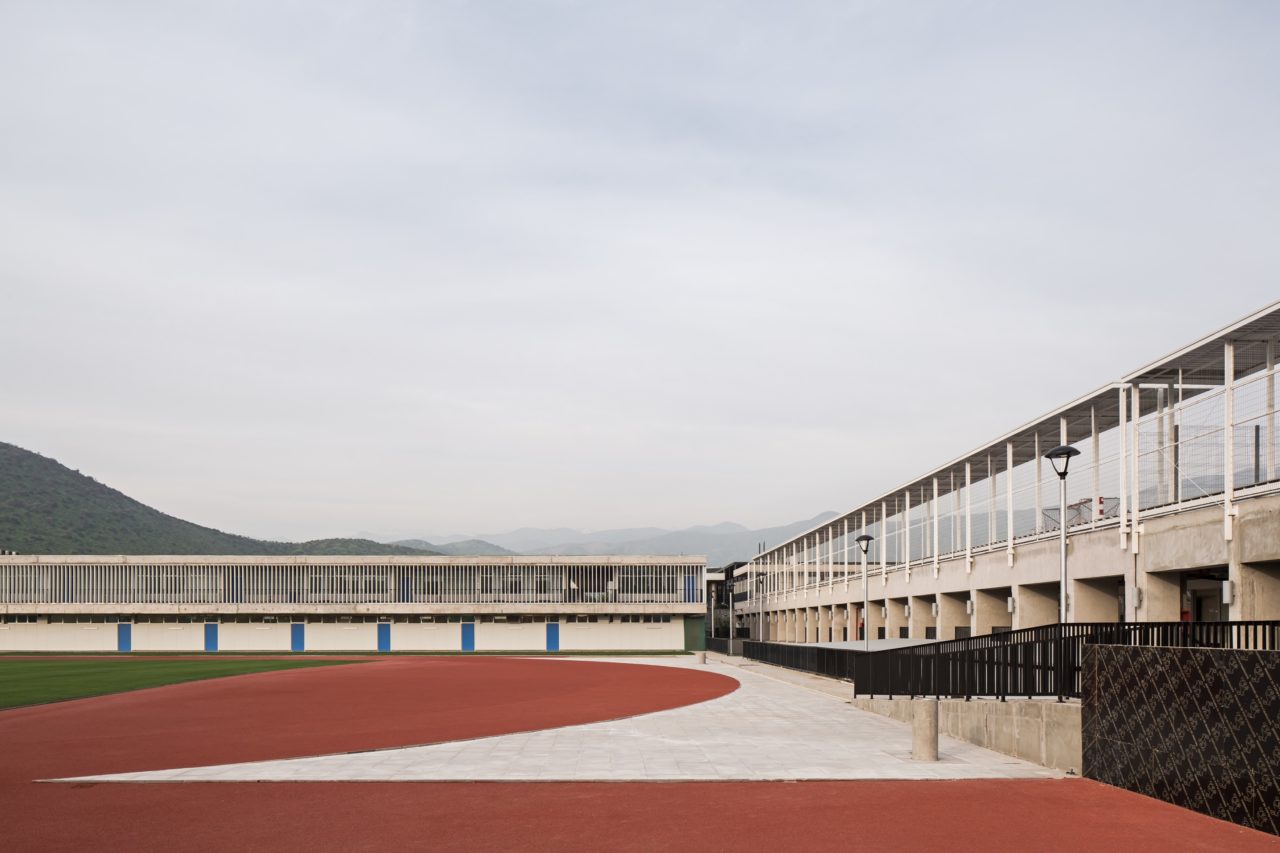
(720, 543)
(47, 508)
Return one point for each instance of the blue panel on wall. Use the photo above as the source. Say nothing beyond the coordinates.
(468, 636)
(124, 637)
(211, 636)
(553, 636)
(384, 636)
(298, 637)
(690, 588)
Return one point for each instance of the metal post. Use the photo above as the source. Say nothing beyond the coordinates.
(846, 554)
(968, 517)
(1095, 506)
(1271, 410)
(1039, 500)
(1062, 542)
(866, 626)
(1229, 439)
(1008, 500)
(936, 549)
(759, 581)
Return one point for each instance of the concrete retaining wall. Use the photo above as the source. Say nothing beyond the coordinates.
(1044, 732)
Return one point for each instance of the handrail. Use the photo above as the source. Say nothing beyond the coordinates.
(1040, 661)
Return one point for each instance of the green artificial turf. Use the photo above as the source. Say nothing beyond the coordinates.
(31, 682)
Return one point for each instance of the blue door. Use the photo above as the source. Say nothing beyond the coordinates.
(124, 637)
(553, 636)
(211, 636)
(384, 636)
(298, 637)
(468, 636)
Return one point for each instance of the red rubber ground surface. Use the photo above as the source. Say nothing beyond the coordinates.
(423, 700)
(291, 713)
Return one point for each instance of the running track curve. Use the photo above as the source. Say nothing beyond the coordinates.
(290, 713)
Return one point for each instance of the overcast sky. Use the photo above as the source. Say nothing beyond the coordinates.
(304, 269)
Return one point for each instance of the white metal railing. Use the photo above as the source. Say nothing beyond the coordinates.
(248, 583)
(1169, 453)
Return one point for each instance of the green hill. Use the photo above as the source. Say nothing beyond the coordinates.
(465, 548)
(46, 508)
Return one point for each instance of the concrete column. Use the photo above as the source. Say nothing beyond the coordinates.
(838, 622)
(824, 624)
(1096, 600)
(875, 619)
(924, 729)
(922, 616)
(1256, 591)
(1035, 605)
(897, 618)
(1161, 597)
(990, 610)
(811, 624)
(950, 616)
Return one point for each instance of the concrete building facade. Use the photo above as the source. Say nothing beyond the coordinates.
(1172, 513)
(216, 603)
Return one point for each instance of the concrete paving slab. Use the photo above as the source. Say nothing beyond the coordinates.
(771, 728)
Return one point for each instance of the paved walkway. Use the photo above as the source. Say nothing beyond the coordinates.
(771, 728)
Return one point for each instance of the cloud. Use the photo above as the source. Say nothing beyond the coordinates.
(300, 269)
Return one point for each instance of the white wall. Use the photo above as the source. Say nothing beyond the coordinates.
(60, 637)
(254, 637)
(511, 637)
(426, 636)
(622, 636)
(168, 637)
(342, 637)
(358, 637)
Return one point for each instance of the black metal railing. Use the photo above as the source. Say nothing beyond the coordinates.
(1043, 661)
(718, 644)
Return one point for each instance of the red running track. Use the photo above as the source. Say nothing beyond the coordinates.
(1039, 815)
(299, 712)
(425, 700)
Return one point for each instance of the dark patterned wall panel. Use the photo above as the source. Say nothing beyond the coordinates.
(1196, 727)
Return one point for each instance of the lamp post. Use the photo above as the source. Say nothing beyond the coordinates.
(864, 542)
(759, 579)
(1060, 459)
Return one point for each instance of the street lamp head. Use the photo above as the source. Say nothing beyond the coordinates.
(1060, 458)
(864, 542)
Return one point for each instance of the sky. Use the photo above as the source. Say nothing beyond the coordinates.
(302, 269)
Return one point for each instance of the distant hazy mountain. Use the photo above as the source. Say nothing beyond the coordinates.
(464, 548)
(721, 543)
(528, 539)
(46, 508)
